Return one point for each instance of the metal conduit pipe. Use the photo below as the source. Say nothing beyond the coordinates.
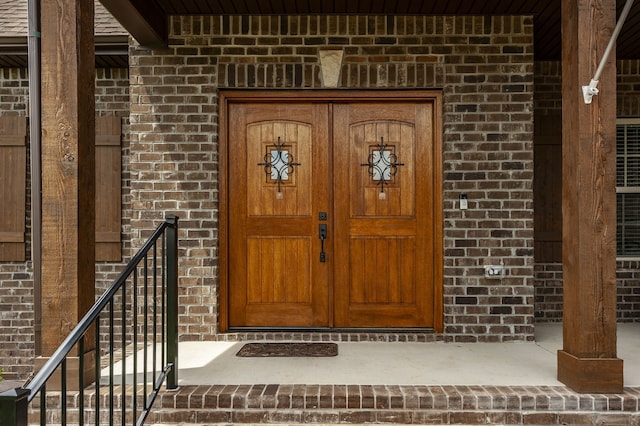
(588, 92)
(36, 177)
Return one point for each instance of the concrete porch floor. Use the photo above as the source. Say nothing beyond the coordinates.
(396, 383)
(379, 363)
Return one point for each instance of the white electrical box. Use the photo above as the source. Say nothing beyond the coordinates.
(493, 271)
(464, 203)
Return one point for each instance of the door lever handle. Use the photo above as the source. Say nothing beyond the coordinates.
(322, 231)
(322, 235)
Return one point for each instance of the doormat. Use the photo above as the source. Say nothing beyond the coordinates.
(288, 350)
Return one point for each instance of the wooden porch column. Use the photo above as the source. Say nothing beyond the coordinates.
(588, 361)
(68, 123)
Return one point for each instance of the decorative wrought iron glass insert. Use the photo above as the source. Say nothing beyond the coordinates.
(382, 164)
(278, 163)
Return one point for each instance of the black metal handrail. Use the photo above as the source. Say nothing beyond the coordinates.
(14, 404)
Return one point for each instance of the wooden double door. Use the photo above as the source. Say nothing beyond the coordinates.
(333, 213)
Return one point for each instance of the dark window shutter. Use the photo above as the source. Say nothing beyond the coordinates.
(108, 188)
(13, 175)
(547, 188)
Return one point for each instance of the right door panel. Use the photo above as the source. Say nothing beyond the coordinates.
(384, 214)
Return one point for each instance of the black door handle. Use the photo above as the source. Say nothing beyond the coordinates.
(322, 234)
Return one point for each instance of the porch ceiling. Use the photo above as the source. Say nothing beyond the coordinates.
(146, 19)
(111, 51)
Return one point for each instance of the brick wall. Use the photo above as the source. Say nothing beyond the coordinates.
(14, 91)
(548, 291)
(628, 81)
(17, 337)
(548, 275)
(548, 87)
(483, 65)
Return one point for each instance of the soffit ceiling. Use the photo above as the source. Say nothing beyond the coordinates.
(546, 14)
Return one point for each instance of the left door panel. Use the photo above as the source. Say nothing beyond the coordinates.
(278, 183)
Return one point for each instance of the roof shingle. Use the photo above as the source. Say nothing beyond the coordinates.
(14, 14)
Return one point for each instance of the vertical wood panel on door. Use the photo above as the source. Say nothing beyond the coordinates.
(277, 182)
(384, 215)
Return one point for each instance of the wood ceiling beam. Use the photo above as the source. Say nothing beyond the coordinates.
(143, 19)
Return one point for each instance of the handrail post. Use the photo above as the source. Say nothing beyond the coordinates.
(172, 300)
(13, 407)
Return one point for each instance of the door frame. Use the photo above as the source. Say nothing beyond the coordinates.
(229, 96)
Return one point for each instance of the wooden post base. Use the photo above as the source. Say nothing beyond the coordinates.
(590, 375)
(73, 372)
